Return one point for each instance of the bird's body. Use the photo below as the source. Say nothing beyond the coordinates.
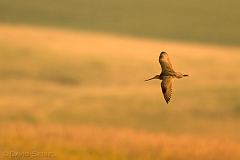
(167, 75)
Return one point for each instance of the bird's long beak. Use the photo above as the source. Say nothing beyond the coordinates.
(150, 79)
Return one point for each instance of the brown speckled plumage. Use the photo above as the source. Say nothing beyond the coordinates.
(166, 75)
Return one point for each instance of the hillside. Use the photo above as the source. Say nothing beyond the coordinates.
(71, 91)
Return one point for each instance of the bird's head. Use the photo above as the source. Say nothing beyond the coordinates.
(155, 77)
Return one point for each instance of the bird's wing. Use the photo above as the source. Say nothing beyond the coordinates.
(165, 63)
(167, 87)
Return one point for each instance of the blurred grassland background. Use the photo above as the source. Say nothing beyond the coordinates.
(214, 21)
(72, 79)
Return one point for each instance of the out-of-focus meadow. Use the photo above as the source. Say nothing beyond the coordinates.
(199, 20)
(81, 94)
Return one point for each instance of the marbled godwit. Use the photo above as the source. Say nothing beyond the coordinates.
(166, 75)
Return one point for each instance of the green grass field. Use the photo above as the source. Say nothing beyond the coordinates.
(60, 94)
(201, 20)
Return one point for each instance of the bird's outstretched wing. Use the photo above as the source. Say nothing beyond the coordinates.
(167, 87)
(165, 63)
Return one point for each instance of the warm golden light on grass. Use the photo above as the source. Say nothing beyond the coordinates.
(83, 96)
(92, 142)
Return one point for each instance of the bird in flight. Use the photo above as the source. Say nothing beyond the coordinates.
(167, 75)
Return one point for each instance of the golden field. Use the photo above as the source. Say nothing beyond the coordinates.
(82, 95)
